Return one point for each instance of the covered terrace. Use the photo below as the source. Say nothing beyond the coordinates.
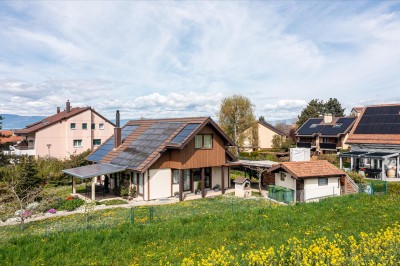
(92, 171)
(374, 164)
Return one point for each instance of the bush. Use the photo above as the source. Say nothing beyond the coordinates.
(358, 178)
(72, 204)
(332, 158)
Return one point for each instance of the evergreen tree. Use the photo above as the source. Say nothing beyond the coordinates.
(333, 106)
(315, 108)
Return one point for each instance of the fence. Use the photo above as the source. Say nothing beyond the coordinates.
(144, 215)
(373, 188)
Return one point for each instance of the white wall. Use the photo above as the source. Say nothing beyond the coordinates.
(288, 183)
(160, 183)
(312, 190)
(216, 176)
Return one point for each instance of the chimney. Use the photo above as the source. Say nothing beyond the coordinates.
(328, 118)
(117, 132)
(68, 107)
(58, 110)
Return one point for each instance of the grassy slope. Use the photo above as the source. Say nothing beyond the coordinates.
(191, 229)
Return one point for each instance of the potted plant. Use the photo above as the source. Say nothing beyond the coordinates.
(198, 190)
(217, 187)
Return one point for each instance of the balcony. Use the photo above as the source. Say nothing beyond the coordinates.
(304, 145)
(327, 146)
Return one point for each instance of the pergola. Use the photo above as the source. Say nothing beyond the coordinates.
(92, 171)
(259, 166)
(379, 157)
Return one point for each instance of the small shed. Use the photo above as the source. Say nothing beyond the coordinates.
(242, 187)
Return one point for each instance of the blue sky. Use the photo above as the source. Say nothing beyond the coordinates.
(180, 58)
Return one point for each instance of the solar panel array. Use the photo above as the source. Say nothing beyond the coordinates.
(330, 130)
(141, 148)
(185, 132)
(104, 149)
(306, 128)
(380, 120)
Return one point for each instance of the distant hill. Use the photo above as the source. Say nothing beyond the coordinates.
(18, 121)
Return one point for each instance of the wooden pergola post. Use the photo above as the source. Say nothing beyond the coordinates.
(180, 185)
(93, 188)
(203, 194)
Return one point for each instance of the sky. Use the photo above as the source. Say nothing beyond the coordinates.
(180, 58)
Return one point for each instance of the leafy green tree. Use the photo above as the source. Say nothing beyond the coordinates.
(236, 116)
(333, 106)
(316, 108)
(1, 122)
(262, 119)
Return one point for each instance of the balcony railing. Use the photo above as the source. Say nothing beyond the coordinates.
(327, 146)
(303, 144)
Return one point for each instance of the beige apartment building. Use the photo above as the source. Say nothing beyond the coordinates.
(65, 133)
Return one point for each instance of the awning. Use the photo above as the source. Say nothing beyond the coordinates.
(352, 154)
(93, 170)
(379, 155)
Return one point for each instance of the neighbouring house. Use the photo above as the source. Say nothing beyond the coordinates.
(375, 142)
(309, 180)
(266, 133)
(159, 158)
(8, 139)
(68, 132)
(325, 135)
(356, 111)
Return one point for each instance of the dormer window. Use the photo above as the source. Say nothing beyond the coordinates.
(313, 126)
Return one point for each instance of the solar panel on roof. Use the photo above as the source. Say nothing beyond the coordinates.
(380, 120)
(184, 133)
(126, 131)
(102, 151)
(141, 148)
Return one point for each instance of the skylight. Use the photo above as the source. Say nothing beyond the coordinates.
(337, 125)
(313, 126)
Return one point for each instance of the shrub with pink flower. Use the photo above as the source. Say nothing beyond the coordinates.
(52, 211)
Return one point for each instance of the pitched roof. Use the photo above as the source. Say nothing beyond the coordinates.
(308, 169)
(54, 119)
(144, 144)
(7, 136)
(377, 124)
(358, 109)
(271, 127)
(316, 126)
(241, 180)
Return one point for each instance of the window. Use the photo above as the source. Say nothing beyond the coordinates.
(93, 126)
(101, 126)
(313, 126)
(72, 125)
(322, 181)
(96, 142)
(175, 176)
(282, 176)
(77, 143)
(203, 142)
(84, 125)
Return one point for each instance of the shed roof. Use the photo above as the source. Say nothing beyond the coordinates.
(93, 170)
(241, 180)
(7, 136)
(308, 169)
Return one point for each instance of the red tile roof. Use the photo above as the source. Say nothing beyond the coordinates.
(54, 119)
(7, 136)
(309, 169)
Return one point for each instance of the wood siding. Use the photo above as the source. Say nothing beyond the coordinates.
(189, 157)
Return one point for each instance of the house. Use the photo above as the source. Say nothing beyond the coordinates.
(160, 158)
(375, 142)
(266, 133)
(68, 132)
(310, 180)
(356, 111)
(325, 135)
(7, 139)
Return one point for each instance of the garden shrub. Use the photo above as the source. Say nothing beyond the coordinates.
(72, 204)
(332, 158)
(358, 178)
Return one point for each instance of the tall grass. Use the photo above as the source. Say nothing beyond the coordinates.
(191, 230)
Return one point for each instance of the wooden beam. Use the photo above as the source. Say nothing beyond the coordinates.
(180, 185)
(223, 179)
(203, 194)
